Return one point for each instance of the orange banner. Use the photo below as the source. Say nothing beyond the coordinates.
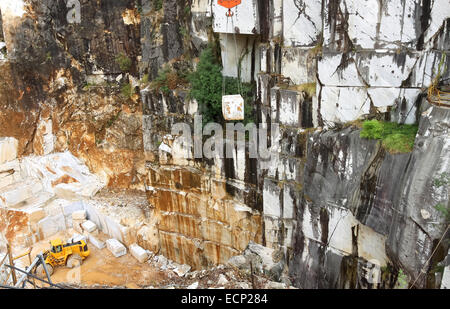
(229, 3)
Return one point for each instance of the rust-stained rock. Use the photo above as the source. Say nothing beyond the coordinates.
(192, 220)
(44, 101)
(64, 179)
(14, 225)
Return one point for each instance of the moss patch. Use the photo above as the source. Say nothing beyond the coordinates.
(396, 138)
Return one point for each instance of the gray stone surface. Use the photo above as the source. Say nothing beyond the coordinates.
(374, 189)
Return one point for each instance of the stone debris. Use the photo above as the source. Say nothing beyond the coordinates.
(193, 286)
(89, 226)
(182, 270)
(262, 259)
(62, 174)
(139, 253)
(243, 285)
(275, 285)
(116, 247)
(150, 254)
(32, 186)
(222, 280)
(161, 261)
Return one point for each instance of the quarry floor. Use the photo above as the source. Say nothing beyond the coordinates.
(101, 269)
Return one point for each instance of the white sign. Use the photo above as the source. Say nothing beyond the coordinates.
(233, 107)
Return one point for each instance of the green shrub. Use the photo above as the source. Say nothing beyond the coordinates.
(124, 62)
(396, 138)
(402, 280)
(160, 82)
(444, 210)
(206, 88)
(167, 80)
(127, 91)
(145, 79)
(157, 5)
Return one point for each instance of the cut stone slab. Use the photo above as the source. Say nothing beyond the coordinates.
(6, 179)
(116, 247)
(77, 237)
(19, 192)
(35, 215)
(89, 226)
(139, 253)
(97, 242)
(445, 282)
(40, 200)
(8, 149)
(94, 232)
(233, 107)
(51, 225)
(79, 215)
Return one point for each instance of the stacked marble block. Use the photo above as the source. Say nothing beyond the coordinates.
(116, 247)
(87, 228)
(90, 231)
(139, 253)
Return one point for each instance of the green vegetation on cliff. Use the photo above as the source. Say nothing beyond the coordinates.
(124, 62)
(396, 138)
(207, 86)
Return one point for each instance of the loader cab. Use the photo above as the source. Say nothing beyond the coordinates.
(56, 248)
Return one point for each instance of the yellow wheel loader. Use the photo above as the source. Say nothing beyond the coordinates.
(68, 254)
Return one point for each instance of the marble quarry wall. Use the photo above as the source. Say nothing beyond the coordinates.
(338, 210)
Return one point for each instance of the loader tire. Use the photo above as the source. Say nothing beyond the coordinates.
(74, 260)
(40, 272)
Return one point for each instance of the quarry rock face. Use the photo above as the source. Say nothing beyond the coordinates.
(334, 204)
(82, 109)
(68, 97)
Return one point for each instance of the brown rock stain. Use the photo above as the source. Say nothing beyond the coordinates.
(64, 179)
